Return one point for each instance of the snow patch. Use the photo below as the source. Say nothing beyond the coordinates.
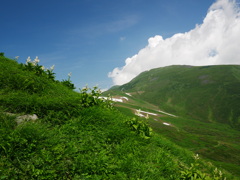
(147, 112)
(167, 113)
(128, 94)
(114, 99)
(167, 124)
(139, 113)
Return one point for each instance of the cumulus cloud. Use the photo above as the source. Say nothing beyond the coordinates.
(215, 41)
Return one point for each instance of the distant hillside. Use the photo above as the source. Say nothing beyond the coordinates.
(207, 93)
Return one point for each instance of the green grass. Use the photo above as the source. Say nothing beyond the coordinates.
(215, 142)
(79, 136)
(206, 101)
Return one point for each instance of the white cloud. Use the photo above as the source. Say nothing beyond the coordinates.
(215, 41)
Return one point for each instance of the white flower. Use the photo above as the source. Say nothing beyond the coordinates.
(84, 88)
(147, 116)
(52, 67)
(220, 173)
(42, 67)
(16, 57)
(28, 60)
(36, 60)
(138, 112)
(196, 157)
(69, 74)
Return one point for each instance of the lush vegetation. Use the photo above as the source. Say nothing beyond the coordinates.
(79, 136)
(215, 140)
(206, 93)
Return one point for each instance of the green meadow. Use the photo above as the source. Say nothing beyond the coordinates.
(204, 99)
(77, 135)
(215, 142)
(205, 93)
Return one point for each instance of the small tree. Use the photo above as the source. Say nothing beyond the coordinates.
(2, 54)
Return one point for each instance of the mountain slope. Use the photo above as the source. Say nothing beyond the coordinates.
(207, 93)
(79, 136)
(188, 92)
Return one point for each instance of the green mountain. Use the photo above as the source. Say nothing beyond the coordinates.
(206, 93)
(195, 107)
(49, 131)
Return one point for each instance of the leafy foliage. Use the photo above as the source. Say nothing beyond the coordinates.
(193, 173)
(216, 142)
(141, 127)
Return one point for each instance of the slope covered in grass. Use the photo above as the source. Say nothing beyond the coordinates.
(79, 136)
(207, 93)
(216, 142)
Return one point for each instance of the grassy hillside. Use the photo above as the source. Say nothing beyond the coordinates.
(79, 136)
(216, 142)
(206, 93)
(195, 129)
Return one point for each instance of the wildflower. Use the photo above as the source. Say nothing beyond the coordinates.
(16, 57)
(85, 88)
(196, 157)
(138, 112)
(52, 67)
(36, 60)
(28, 60)
(147, 116)
(99, 91)
(69, 74)
(42, 67)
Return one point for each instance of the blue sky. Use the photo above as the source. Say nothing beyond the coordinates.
(91, 37)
